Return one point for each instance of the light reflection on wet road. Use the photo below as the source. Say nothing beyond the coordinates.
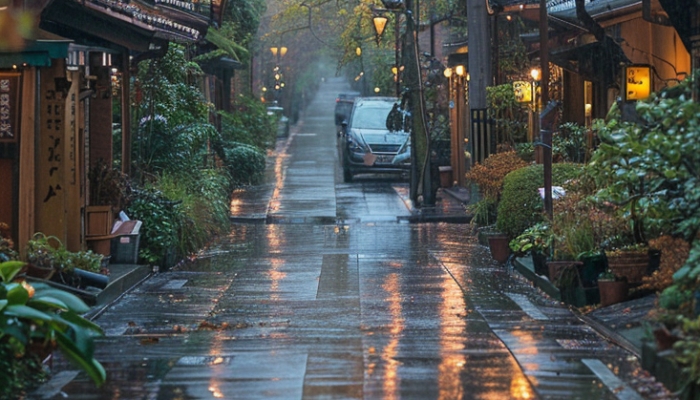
(363, 308)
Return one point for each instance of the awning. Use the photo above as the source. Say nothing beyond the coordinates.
(37, 52)
(128, 25)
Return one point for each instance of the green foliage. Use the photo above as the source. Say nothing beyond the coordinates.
(569, 143)
(182, 211)
(37, 314)
(164, 147)
(512, 52)
(483, 211)
(246, 164)
(203, 198)
(537, 238)
(162, 219)
(650, 168)
(173, 130)
(521, 205)
(673, 297)
(509, 116)
(7, 251)
(48, 252)
(249, 124)
(20, 371)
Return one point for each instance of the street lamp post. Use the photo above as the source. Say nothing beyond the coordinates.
(535, 73)
(278, 53)
(379, 20)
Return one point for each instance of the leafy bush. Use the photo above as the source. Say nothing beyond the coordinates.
(162, 219)
(509, 116)
(174, 130)
(521, 205)
(249, 123)
(488, 176)
(570, 144)
(245, 163)
(203, 199)
(181, 211)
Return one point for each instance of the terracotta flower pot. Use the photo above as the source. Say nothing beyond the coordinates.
(612, 292)
(499, 246)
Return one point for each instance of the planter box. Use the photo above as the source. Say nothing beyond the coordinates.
(630, 265)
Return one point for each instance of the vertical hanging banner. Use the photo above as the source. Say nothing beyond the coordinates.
(9, 106)
(637, 82)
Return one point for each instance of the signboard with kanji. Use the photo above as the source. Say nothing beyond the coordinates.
(9, 106)
(637, 82)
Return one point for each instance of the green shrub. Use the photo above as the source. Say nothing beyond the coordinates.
(245, 163)
(162, 220)
(250, 123)
(521, 205)
(204, 197)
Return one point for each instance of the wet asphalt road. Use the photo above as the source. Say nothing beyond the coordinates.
(325, 292)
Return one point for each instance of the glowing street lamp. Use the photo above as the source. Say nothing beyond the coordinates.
(379, 21)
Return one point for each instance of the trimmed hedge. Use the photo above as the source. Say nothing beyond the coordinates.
(521, 205)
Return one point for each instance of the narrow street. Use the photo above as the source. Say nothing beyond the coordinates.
(323, 290)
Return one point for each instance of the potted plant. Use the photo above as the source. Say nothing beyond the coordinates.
(488, 176)
(613, 289)
(536, 241)
(48, 259)
(45, 256)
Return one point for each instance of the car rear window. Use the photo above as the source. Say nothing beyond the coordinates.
(371, 116)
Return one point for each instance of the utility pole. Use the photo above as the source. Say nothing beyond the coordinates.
(480, 72)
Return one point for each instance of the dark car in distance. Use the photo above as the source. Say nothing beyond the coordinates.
(343, 105)
(367, 145)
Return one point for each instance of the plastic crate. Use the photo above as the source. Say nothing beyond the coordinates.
(125, 249)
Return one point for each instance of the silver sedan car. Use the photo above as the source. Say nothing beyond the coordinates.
(366, 143)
